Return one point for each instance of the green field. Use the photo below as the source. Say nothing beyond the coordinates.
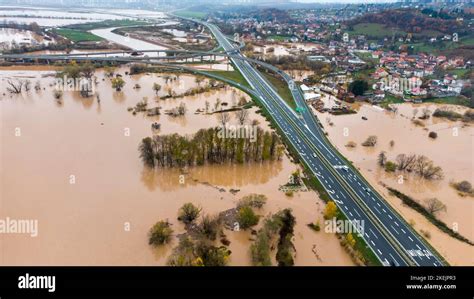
(282, 89)
(235, 76)
(374, 30)
(191, 14)
(279, 38)
(77, 35)
(463, 101)
(106, 24)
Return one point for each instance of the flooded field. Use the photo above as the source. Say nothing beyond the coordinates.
(51, 17)
(8, 35)
(452, 150)
(74, 166)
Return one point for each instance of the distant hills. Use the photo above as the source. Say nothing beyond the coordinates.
(411, 21)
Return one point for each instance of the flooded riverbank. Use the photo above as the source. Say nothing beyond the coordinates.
(73, 165)
(451, 150)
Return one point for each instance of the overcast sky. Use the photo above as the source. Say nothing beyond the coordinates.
(343, 1)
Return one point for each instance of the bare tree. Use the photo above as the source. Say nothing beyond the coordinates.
(382, 158)
(15, 86)
(38, 86)
(406, 162)
(433, 206)
(224, 118)
(415, 112)
(425, 168)
(242, 116)
(27, 85)
(426, 113)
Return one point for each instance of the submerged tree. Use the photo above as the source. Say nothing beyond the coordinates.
(118, 83)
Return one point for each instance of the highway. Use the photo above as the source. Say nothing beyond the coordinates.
(388, 235)
(391, 239)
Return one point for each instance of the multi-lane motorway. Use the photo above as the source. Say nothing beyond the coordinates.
(391, 239)
(387, 234)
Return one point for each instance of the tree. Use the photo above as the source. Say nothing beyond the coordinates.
(358, 87)
(15, 86)
(246, 217)
(224, 118)
(350, 240)
(156, 88)
(433, 206)
(330, 211)
(146, 152)
(242, 101)
(405, 162)
(426, 113)
(198, 80)
(425, 168)
(188, 213)
(118, 83)
(160, 233)
(209, 227)
(463, 186)
(392, 143)
(382, 158)
(87, 70)
(242, 116)
(182, 108)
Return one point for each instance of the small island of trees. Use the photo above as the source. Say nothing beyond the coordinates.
(206, 146)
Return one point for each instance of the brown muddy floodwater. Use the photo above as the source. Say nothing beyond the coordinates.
(453, 151)
(86, 222)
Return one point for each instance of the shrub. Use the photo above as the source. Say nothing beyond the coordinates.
(183, 254)
(118, 83)
(160, 233)
(463, 186)
(58, 94)
(315, 226)
(246, 217)
(390, 166)
(443, 112)
(351, 144)
(253, 200)
(212, 256)
(260, 250)
(209, 227)
(370, 141)
(331, 210)
(188, 213)
(433, 135)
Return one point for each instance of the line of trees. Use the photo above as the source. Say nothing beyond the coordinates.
(207, 146)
